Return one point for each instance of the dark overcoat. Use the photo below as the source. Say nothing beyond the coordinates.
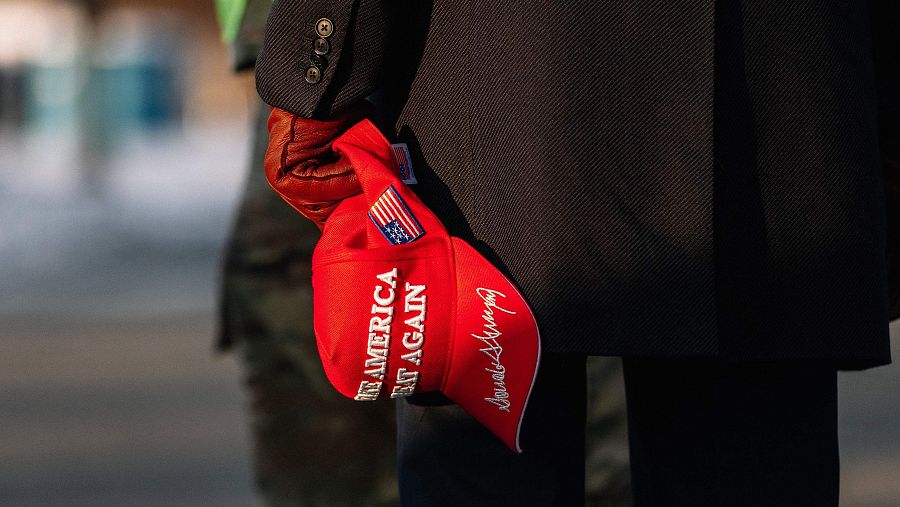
(661, 178)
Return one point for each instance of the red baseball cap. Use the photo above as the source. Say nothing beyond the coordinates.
(401, 307)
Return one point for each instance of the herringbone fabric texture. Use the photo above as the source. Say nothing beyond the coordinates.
(680, 178)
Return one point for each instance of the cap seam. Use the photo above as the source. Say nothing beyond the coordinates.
(354, 261)
(455, 298)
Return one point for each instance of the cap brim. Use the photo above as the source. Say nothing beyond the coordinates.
(496, 348)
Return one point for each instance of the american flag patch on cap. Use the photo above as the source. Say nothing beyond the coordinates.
(404, 163)
(394, 219)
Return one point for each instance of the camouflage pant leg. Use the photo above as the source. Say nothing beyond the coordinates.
(607, 472)
(312, 445)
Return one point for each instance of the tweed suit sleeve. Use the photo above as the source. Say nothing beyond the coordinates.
(885, 18)
(350, 69)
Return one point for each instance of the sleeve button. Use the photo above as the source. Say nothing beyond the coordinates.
(321, 46)
(324, 27)
(312, 75)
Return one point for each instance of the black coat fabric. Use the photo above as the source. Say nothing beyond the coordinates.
(661, 178)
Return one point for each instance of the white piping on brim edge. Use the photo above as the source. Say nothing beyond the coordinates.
(537, 366)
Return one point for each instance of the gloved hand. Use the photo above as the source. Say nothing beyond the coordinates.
(301, 166)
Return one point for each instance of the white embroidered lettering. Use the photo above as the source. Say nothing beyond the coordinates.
(414, 357)
(490, 337)
(414, 295)
(380, 324)
(389, 278)
(368, 391)
(384, 310)
(383, 301)
(406, 383)
(415, 302)
(379, 341)
(413, 341)
(416, 323)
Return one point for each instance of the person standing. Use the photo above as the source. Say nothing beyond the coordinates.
(705, 188)
(311, 445)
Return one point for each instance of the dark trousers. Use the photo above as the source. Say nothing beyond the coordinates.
(709, 433)
(701, 433)
(446, 458)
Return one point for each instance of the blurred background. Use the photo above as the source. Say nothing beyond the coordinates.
(124, 139)
(123, 145)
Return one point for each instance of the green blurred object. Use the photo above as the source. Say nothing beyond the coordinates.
(230, 14)
(243, 24)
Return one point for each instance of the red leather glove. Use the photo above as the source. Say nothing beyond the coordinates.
(301, 166)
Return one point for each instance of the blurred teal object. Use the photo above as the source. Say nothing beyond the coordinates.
(140, 93)
(52, 93)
